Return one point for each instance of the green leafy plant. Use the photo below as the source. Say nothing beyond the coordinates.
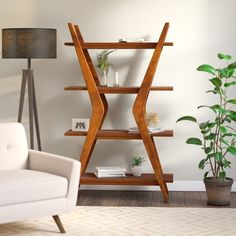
(102, 59)
(218, 135)
(136, 161)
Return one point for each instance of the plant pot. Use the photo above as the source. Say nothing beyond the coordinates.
(218, 192)
(137, 170)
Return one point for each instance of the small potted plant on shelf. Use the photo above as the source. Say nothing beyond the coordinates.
(218, 135)
(136, 165)
(103, 64)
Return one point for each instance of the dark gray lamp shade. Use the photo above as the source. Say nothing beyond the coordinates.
(29, 43)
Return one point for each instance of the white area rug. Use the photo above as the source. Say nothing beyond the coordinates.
(136, 221)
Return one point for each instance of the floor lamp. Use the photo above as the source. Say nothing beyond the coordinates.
(29, 43)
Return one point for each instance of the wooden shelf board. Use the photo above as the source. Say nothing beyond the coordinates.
(119, 134)
(118, 90)
(145, 179)
(117, 45)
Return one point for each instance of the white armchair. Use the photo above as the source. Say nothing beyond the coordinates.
(34, 183)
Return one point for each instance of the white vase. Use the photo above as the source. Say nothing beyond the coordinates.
(137, 170)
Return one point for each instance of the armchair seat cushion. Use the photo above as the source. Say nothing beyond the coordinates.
(22, 186)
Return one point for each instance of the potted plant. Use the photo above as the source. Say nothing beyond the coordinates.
(218, 135)
(136, 165)
(103, 64)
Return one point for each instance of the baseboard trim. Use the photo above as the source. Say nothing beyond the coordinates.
(176, 186)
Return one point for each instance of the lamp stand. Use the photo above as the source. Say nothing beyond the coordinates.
(28, 76)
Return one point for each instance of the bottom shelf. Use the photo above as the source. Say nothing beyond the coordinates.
(145, 179)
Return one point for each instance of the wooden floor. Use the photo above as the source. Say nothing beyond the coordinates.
(144, 199)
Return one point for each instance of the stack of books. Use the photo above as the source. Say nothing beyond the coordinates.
(150, 129)
(108, 172)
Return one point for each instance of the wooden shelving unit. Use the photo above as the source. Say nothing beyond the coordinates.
(97, 95)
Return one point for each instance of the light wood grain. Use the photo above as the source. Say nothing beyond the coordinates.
(119, 134)
(145, 179)
(116, 45)
(118, 90)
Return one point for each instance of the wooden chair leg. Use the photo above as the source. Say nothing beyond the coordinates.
(59, 224)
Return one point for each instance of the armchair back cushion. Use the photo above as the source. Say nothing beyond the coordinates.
(13, 146)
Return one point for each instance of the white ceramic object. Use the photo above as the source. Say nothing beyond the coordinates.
(137, 170)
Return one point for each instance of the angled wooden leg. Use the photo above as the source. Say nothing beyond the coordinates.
(139, 111)
(90, 140)
(152, 153)
(94, 73)
(90, 144)
(59, 224)
(99, 105)
(159, 164)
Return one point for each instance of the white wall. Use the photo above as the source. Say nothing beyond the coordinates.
(199, 29)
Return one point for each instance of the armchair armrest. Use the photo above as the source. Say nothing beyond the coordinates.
(58, 165)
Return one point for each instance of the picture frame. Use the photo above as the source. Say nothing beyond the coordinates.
(79, 124)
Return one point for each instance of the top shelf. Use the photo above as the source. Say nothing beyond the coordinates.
(116, 45)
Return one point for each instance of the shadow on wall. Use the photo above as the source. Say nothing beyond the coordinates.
(9, 98)
(10, 82)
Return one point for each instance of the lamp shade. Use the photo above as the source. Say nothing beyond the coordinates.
(29, 43)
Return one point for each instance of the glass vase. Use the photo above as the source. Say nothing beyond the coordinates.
(104, 77)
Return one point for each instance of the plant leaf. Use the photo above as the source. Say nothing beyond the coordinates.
(205, 131)
(189, 118)
(207, 68)
(227, 135)
(203, 125)
(211, 91)
(223, 129)
(232, 65)
(222, 175)
(230, 84)
(224, 57)
(226, 72)
(208, 150)
(233, 101)
(212, 155)
(206, 174)
(195, 141)
(225, 142)
(226, 163)
(211, 125)
(211, 136)
(218, 157)
(216, 81)
(232, 115)
(232, 150)
(202, 164)
(214, 108)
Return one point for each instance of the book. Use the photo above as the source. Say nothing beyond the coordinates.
(109, 171)
(109, 175)
(150, 129)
